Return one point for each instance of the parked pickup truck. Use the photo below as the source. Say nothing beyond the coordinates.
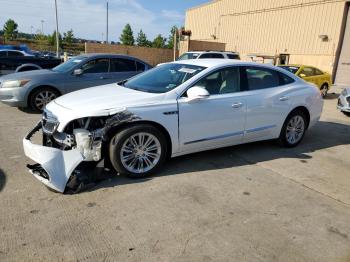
(12, 61)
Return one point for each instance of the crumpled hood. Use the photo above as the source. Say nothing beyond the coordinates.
(28, 75)
(104, 98)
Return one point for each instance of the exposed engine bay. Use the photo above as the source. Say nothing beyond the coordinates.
(63, 156)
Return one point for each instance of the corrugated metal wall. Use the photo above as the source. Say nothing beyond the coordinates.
(270, 26)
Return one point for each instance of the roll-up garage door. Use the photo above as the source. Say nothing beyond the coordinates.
(343, 71)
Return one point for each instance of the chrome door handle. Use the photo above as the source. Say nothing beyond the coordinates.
(284, 98)
(237, 105)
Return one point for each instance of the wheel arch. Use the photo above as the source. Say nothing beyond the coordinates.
(112, 131)
(305, 110)
(40, 87)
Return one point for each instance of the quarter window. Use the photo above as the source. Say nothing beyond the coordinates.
(224, 81)
(96, 66)
(261, 78)
(123, 65)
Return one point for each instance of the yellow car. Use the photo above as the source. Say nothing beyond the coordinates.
(311, 74)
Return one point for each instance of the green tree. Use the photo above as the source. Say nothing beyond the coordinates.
(10, 29)
(52, 39)
(159, 41)
(142, 40)
(127, 36)
(68, 37)
(171, 37)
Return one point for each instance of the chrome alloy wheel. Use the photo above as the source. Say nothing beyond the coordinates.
(295, 129)
(43, 98)
(140, 152)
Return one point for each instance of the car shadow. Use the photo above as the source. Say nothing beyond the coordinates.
(28, 111)
(317, 138)
(2, 179)
(331, 96)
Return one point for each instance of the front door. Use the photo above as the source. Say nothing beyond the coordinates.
(217, 120)
(95, 73)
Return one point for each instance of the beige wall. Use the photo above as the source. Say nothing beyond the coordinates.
(194, 45)
(272, 27)
(153, 56)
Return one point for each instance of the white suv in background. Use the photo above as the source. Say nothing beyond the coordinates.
(209, 54)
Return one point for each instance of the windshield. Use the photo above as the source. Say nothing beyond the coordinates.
(69, 65)
(163, 78)
(292, 69)
(187, 56)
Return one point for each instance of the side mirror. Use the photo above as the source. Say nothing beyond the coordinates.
(78, 72)
(196, 93)
(302, 75)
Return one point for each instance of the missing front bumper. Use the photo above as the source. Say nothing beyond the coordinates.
(58, 164)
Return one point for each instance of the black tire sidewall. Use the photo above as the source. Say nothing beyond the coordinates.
(324, 86)
(283, 139)
(35, 93)
(118, 140)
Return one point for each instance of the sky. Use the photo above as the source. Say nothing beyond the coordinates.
(87, 18)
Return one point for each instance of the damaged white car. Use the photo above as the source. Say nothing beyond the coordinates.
(174, 109)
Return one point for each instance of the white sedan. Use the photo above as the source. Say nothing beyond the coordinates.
(174, 109)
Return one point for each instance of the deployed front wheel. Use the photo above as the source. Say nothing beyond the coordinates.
(137, 151)
(293, 129)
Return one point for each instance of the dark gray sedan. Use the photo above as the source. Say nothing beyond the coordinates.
(37, 88)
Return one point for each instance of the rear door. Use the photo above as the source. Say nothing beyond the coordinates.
(268, 102)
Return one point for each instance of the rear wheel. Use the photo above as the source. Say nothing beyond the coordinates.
(138, 151)
(41, 97)
(293, 129)
(324, 90)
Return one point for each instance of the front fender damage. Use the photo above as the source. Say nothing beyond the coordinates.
(56, 166)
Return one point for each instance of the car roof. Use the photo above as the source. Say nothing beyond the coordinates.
(213, 62)
(211, 51)
(103, 55)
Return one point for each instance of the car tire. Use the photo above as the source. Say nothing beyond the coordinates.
(293, 129)
(41, 97)
(324, 90)
(138, 151)
(346, 113)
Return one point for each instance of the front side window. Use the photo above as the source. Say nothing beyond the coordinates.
(3, 53)
(163, 78)
(211, 55)
(261, 78)
(140, 67)
(100, 65)
(307, 71)
(123, 65)
(223, 81)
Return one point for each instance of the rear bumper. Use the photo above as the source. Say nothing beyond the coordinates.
(56, 166)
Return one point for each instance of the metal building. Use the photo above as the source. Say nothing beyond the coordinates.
(313, 32)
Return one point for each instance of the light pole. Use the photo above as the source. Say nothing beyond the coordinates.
(107, 25)
(42, 27)
(57, 40)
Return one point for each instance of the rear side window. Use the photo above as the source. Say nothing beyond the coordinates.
(123, 65)
(140, 67)
(3, 53)
(261, 78)
(211, 55)
(233, 56)
(285, 80)
(318, 72)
